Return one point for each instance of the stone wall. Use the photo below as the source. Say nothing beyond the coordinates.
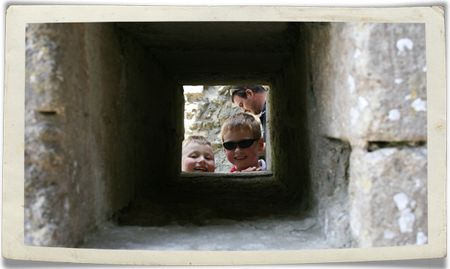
(368, 92)
(157, 110)
(90, 128)
(104, 126)
(70, 122)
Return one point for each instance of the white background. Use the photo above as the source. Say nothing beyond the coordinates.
(430, 263)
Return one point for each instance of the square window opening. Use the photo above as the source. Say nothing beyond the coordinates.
(206, 109)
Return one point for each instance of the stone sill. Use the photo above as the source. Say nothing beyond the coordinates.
(257, 174)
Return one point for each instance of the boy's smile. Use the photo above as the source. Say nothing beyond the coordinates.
(242, 158)
(197, 158)
(200, 168)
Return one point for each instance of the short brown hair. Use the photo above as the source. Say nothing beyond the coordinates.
(242, 120)
(199, 139)
(240, 90)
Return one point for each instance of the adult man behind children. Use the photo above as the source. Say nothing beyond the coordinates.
(251, 98)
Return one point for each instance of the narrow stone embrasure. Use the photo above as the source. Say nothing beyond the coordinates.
(108, 165)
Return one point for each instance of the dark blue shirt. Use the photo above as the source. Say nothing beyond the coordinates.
(262, 118)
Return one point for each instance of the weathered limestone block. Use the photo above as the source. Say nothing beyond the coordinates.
(46, 205)
(330, 165)
(369, 85)
(76, 150)
(375, 86)
(388, 196)
(44, 75)
(390, 84)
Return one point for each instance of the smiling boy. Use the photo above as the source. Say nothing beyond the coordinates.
(197, 155)
(242, 142)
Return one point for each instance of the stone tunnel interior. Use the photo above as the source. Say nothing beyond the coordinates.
(104, 127)
(164, 56)
(124, 105)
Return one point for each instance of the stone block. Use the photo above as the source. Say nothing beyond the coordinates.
(376, 81)
(388, 196)
(329, 166)
(80, 117)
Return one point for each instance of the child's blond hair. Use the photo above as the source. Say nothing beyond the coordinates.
(242, 120)
(199, 139)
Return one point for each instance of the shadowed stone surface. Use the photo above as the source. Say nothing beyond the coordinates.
(104, 126)
(73, 110)
(275, 233)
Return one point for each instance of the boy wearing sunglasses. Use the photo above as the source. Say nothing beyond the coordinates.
(197, 155)
(242, 142)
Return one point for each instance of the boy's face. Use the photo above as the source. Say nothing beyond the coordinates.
(197, 158)
(243, 158)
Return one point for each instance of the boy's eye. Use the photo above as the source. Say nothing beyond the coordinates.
(193, 156)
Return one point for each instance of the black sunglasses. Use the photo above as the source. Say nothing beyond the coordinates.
(230, 145)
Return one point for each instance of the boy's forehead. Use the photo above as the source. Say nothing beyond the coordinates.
(195, 146)
(238, 131)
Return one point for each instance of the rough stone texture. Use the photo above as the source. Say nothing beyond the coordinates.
(85, 102)
(65, 189)
(289, 125)
(378, 86)
(158, 107)
(216, 53)
(330, 166)
(205, 112)
(274, 233)
(387, 191)
(347, 113)
(373, 98)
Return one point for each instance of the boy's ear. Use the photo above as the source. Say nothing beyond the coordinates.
(261, 145)
(248, 92)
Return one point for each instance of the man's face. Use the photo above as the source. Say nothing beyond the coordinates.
(249, 104)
